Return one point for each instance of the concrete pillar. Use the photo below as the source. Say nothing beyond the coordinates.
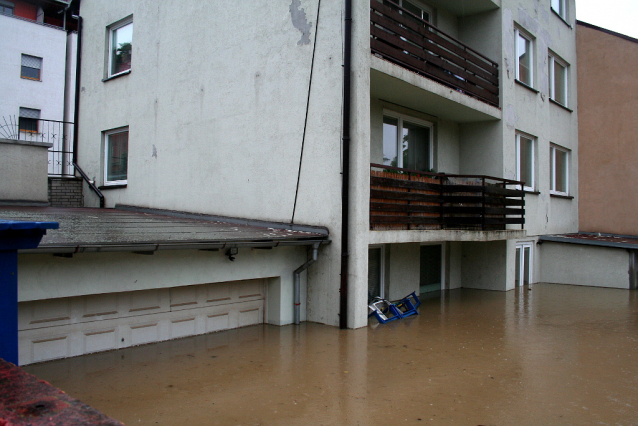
(359, 167)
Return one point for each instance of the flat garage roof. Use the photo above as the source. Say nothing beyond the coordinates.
(135, 229)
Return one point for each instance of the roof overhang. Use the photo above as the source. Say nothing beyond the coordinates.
(128, 229)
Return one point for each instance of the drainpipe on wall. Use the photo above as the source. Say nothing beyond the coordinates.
(76, 115)
(297, 282)
(345, 182)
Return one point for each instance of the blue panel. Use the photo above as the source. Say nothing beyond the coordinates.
(9, 306)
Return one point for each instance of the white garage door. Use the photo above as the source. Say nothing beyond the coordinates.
(59, 328)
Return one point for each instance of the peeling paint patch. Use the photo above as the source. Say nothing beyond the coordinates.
(510, 116)
(298, 17)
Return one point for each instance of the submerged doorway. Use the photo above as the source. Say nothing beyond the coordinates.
(431, 271)
(376, 272)
(523, 264)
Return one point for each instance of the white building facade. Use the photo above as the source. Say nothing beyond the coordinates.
(236, 111)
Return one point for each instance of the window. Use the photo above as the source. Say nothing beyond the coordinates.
(559, 170)
(116, 157)
(6, 7)
(525, 160)
(557, 80)
(120, 47)
(31, 66)
(524, 58)
(422, 11)
(560, 7)
(28, 120)
(407, 142)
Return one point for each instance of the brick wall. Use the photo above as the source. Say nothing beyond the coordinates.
(65, 192)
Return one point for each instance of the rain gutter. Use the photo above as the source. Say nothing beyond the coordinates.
(153, 247)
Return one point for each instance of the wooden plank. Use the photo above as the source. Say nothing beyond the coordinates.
(407, 196)
(421, 220)
(400, 183)
(504, 191)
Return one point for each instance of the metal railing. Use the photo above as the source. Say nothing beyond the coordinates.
(405, 39)
(402, 199)
(57, 133)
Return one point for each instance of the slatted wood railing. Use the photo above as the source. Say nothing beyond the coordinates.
(405, 39)
(403, 199)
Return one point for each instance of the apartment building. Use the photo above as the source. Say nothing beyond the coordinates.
(460, 149)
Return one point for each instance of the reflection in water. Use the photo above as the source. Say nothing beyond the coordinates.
(553, 355)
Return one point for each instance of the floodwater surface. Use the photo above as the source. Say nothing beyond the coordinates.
(555, 355)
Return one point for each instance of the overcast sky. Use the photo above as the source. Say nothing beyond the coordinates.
(616, 15)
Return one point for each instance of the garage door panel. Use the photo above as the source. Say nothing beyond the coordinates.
(217, 322)
(100, 340)
(183, 327)
(99, 307)
(61, 328)
(184, 297)
(144, 333)
(44, 313)
(50, 348)
(218, 293)
(146, 301)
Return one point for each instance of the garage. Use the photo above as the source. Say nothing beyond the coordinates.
(114, 278)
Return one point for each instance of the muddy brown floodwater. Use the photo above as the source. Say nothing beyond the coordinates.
(556, 355)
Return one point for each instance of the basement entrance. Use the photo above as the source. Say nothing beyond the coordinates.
(430, 275)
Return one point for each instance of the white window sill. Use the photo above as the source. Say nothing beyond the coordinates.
(560, 105)
(114, 76)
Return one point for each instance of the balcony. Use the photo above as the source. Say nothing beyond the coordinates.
(402, 199)
(57, 133)
(404, 39)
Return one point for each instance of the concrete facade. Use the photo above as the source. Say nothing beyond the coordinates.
(607, 101)
(26, 164)
(239, 115)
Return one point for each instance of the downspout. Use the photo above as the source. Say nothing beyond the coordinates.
(345, 181)
(76, 115)
(297, 282)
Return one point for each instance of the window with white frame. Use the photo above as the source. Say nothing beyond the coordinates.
(524, 58)
(558, 80)
(28, 120)
(525, 160)
(120, 43)
(30, 67)
(407, 142)
(116, 157)
(418, 8)
(560, 7)
(559, 170)
(7, 7)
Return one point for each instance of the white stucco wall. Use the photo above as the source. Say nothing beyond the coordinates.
(23, 171)
(216, 112)
(584, 265)
(17, 37)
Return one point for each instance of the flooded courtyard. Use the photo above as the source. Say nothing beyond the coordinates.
(555, 355)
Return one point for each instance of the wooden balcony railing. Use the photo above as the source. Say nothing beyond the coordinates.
(408, 199)
(401, 37)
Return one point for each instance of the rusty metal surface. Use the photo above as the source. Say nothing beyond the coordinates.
(25, 400)
(104, 227)
(595, 239)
